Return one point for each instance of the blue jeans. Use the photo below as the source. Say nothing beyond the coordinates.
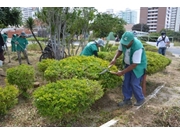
(162, 50)
(132, 85)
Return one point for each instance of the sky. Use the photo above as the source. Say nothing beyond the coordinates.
(100, 5)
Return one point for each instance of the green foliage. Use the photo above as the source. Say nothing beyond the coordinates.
(108, 56)
(82, 67)
(141, 27)
(156, 62)
(44, 64)
(38, 38)
(10, 16)
(150, 47)
(66, 99)
(105, 23)
(22, 76)
(8, 98)
(34, 47)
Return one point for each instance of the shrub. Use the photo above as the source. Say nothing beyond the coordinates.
(156, 62)
(8, 98)
(83, 67)
(66, 99)
(22, 76)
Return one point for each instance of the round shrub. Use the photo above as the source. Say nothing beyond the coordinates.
(8, 98)
(22, 76)
(156, 62)
(67, 98)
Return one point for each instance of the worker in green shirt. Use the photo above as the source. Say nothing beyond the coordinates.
(13, 40)
(22, 43)
(92, 48)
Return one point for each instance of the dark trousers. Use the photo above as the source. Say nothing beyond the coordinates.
(162, 50)
(132, 86)
(25, 55)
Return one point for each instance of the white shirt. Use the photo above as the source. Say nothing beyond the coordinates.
(162, 43)
(136, 58)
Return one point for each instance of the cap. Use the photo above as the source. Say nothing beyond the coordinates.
(100, 42)
(126, 38)
(23, 34)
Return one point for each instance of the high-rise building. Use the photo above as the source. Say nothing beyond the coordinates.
(157, 18)
(130, 16)
(28, 12)
(175, 19)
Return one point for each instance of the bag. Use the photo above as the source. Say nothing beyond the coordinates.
(163, 39)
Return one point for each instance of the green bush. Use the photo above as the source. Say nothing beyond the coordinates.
(66, 99)
(22, 76)
(8, 98)
(156, 62)
(83, 67)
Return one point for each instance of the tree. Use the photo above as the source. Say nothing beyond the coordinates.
(29, 23)
(10, 17)
(105, 23)
(141, 27)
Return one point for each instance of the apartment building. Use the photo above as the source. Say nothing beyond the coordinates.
(175, 19)
(157, 18)
(130, 16)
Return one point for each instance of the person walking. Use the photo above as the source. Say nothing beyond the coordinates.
(92, 48)
(162, 43)
(135, 65)
(22, 43)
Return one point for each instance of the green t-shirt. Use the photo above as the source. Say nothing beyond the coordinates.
(22, 43)
(5, 37)
(89, 49)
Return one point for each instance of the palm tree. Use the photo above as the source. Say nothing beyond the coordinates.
(30, 25)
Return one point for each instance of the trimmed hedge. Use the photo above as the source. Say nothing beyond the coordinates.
(66, 99)
(81, 67)
(8, 98)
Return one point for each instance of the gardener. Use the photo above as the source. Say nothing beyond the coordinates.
(22, 43)
(92, 48)
(13, 45)
(135, 63)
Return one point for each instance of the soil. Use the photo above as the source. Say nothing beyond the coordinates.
(160, 109)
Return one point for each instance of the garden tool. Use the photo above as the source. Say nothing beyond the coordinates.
(105, 70)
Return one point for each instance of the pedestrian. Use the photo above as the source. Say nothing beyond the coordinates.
(13, 44)
(1, 48)
(162, 43)
(22, 43)
(117, 39)
(92, 48)
(135, 64)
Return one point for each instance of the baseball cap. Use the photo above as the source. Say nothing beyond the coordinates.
(126, 38)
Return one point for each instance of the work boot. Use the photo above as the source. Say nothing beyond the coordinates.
(139, 103)
(124, 103)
